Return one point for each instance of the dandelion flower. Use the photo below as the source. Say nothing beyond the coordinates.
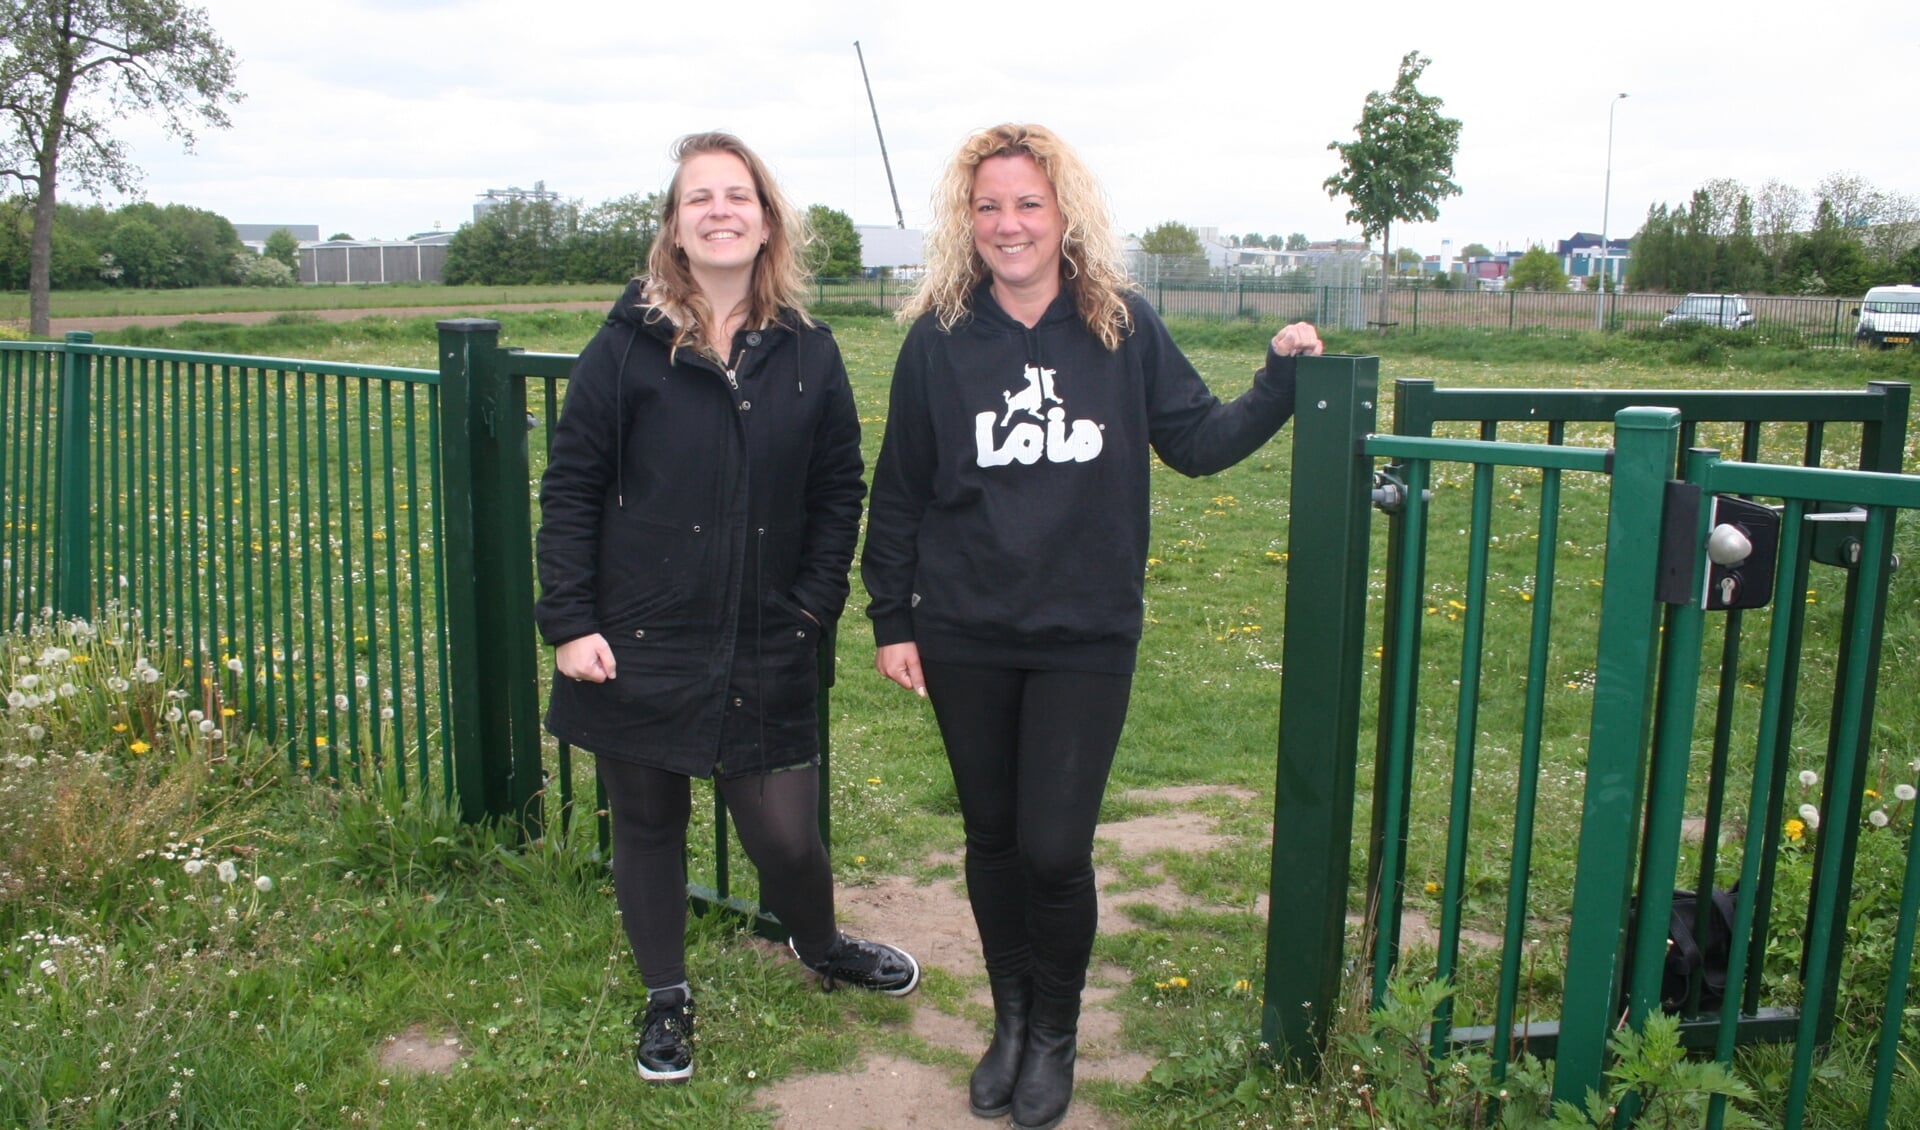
(1877, 818)
(195, 866)
(1177, 982)
(118, 685)
(263, 883)
(1811, 815)
(68, 690)
(1903, 792)
(339, 702)
(234, 665)
(194, 716)
(138, 747)
(320, 742)
(36, 731)
(227, 871)
(206, 725)
(360, 681)
(1795, 829)
(149, 674)
(386, 714)
(1809, 778)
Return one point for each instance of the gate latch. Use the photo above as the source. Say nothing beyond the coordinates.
(1743, 544)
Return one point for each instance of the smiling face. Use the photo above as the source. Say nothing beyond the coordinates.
(1017, 226)
(718, 221)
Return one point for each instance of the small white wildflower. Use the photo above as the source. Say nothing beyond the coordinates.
(1810, 816)
(1809, 778)
(263, 883)
(1903, 792)
(1877, 818)
(227, 871)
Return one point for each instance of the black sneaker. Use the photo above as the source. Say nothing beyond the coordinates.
(663, 1051)
(866, 965)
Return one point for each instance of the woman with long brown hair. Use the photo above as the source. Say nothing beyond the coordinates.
(699, 513)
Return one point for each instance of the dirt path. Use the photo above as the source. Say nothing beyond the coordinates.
(934, 922)
(255, 317)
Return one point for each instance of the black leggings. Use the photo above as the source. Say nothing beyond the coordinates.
(776, 817)
(1030, 752)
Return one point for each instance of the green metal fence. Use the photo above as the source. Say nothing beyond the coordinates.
(1413, 309)
(275, 522)
(1491, 780)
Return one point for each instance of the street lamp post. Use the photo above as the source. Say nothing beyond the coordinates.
(1606, 199)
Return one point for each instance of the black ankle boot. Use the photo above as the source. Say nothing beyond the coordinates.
(990, 1094)
(1045, 1087)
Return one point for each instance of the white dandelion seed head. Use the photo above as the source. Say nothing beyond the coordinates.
(1809, 778)
(118, 685)
(16, 700)
(263, 883)
(386, 714)
(28, 682)
(1877, 818)
(360, 681)
(216, 733)
(1903, 792)
(235, 665)
(149, 674)
(1810, 816)
(227, 871)
(195, 866)
(339, 702)
(36, 731)
(206, 725)
(173, 715)
(194, 716)
(68, 690)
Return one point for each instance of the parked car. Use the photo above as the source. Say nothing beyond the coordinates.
(1728, 311)
(1889, 316)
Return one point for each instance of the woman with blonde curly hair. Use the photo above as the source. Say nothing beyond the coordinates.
(699, 511)
(1006, 549)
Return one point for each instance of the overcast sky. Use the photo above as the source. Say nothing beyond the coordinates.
(383, 118)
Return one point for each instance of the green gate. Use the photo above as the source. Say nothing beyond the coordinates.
(1600, 614)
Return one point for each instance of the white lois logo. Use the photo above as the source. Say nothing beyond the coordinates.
(1029, 440)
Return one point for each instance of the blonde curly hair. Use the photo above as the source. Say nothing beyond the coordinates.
(779, 274)
(1093, 270)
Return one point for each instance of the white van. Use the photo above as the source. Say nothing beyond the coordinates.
(1889, 316)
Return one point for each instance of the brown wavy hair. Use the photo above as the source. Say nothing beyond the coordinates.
(1092, 265)
(779, 274)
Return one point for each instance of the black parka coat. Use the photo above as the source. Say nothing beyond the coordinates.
(703, 523)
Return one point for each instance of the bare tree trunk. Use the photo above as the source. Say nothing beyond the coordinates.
(40, 257)
(1386, 272)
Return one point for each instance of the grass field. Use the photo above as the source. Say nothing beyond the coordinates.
(141, 987)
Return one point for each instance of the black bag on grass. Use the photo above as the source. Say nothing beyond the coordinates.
(1695, 963)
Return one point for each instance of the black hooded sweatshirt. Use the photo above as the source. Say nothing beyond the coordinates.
(1008, 524)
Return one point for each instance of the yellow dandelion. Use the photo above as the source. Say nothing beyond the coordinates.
(859, 859)
(1153, 561)
(138, 747)
(1526, 596)
(83, 659)
(119, 727)
(320, 742)
(1161, 985)
(1243, 986)
(1177, 982)
(1458, 605)
(1871, 794)
(1433, 888)
(1795, 829)
(227, 712)
(873, 780)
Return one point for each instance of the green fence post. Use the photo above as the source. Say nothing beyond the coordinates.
(1322, 658)
(488, 575)
(1646, 441)
(73, 526)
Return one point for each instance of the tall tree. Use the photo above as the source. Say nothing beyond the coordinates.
(1298, 241)
(1400, 164)
(834, 252)
(1778, 212)
(70, 70)
(283, 247)
(1476, 251)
